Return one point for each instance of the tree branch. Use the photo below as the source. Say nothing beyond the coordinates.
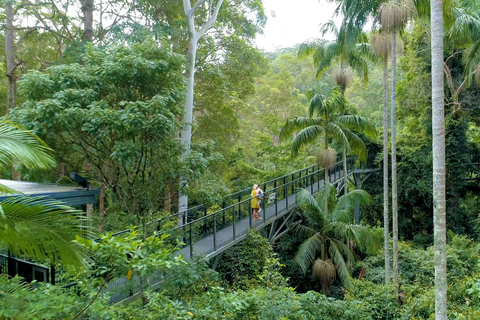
(195, 7)
(212, 19)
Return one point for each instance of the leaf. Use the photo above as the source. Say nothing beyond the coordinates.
(22, 146)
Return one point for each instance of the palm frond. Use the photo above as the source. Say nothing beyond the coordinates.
(294, 125)
(356, 145)
(337, 250)
(329, 26)
(304, 230)
(348, 201)
(308, 252)
(338, 134)
(40, 228)
(306, 49)
(306, 136)
(316, 105)
(22, 146)
(4, 190)
(305, 198)
(359, 124)
(10, 286)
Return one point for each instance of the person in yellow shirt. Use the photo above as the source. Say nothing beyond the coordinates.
(254, 203)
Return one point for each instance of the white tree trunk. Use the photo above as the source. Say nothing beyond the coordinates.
(188, 116)
(345, 173)
(194, 36)
(11, 57)
(438, 148)
(394, 159)
(386, 234)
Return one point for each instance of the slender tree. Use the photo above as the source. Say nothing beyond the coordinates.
(11, 55)
(393, 16)
(194, 36)
(382, 46)
(438, 149)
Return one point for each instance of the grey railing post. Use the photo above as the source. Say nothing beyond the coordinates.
(286, 202)
(250, 215)
(239, 206)
(191, 242)
(233, 225)
(224, 204)
(276, 194)
(214, 232)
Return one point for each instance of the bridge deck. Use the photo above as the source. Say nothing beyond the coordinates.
(212, 242)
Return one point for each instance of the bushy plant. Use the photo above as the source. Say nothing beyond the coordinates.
(241, 265)
(382, 300)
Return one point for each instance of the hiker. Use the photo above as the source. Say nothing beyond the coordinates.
(259, 198)
(254, 202)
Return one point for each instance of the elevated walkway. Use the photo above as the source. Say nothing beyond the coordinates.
(209, 235)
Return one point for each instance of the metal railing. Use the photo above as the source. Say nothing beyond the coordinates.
(28, 270)
(211, 232)
(205, 234)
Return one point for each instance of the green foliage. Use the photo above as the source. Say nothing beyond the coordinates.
(381, 300)
(39, 228)
(116, 116)
(242, 265)
(322, 307)
(328, 249)
(18, 145)
(129, 256)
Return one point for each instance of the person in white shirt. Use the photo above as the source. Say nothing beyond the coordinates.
(260, 203)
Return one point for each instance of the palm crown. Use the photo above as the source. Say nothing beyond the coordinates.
(325, 122)
(349, 49)
(328, 249)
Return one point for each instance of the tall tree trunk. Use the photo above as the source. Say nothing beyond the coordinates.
(87, 10)
(11, 67)
(188, 115)
(394, 158)
(386, 234)
(325, 205)
(345, 173)
(11, 57)
(194, 36)
(438, 148)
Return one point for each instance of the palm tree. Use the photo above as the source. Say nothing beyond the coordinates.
(328, 249)
(438, 149)
(329, 126)
(32, 226)
(462, 39)
(349, 50)
(393, 16)
(381, 45)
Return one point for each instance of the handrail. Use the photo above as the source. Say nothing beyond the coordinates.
(204, 235)
(205, 228)
(237, 196)
(175, 215)
(247, 190)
